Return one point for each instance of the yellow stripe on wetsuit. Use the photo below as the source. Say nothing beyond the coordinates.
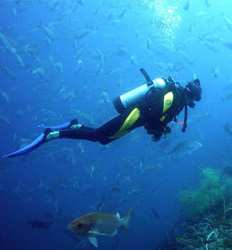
(168, 100)
(131, 119)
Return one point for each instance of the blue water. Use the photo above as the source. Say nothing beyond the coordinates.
(66, 59)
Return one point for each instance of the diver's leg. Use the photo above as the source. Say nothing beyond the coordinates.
(108, 132)
(100, 134)
(81, 132)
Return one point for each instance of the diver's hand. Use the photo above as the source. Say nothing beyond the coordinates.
(155, 132)
(156, 135)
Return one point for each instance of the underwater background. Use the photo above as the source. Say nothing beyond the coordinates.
(65, 59)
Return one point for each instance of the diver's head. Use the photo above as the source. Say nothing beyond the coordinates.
(193, 92)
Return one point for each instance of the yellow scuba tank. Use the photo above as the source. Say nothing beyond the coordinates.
(134, 96)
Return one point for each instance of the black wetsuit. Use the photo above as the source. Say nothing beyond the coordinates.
(149, 113)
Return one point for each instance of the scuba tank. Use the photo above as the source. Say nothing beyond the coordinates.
(134, 96)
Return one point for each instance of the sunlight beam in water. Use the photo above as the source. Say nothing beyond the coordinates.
(167, 18)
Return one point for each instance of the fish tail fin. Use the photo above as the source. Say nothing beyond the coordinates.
(125, 220)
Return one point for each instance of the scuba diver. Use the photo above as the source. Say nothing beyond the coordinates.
(152, 105)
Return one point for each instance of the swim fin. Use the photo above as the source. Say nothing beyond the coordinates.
(61, 126)
(41, 139)
(30, 147)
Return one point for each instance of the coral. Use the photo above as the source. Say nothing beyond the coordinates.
(209, 213)
(209, 193)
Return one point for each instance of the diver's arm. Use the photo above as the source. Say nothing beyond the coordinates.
(152, 111)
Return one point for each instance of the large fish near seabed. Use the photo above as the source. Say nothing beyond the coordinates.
(99, 224)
